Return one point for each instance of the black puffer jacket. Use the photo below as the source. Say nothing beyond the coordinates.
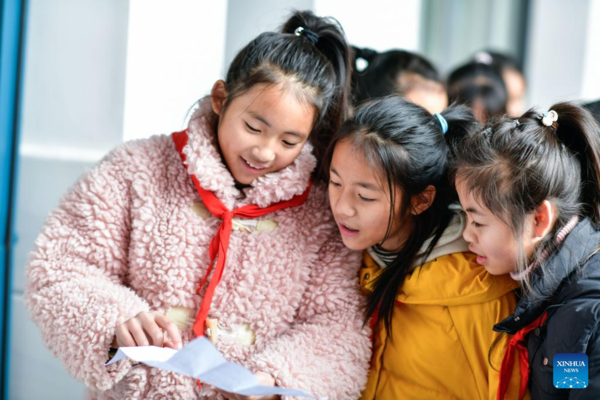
(572, 300)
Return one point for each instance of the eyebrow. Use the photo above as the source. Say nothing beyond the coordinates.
(369, 186)
(264, 121)
(473, 211)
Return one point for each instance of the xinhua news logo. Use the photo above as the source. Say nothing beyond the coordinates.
(570, 371)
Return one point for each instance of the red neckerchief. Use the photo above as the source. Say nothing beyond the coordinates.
(220, 243)
(517, 342)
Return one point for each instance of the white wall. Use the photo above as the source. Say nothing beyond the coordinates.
(72, 114)
(590, 89)
(377, 24)
(557, 51)
(174, 55)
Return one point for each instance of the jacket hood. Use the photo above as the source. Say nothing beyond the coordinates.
(453, 280)
(205, 162)
(450, 276)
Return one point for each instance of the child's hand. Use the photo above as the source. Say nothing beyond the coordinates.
(264, 379)
(147, 328)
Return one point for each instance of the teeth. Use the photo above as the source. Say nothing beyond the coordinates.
(252, 165)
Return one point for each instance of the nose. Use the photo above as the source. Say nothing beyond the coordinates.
(468, 234)
(341, 205)
(264, 153)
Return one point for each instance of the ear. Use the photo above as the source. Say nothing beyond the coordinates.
(423, 200)
(543, 221)
(218, 96)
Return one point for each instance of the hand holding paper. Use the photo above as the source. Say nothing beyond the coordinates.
(201, 360)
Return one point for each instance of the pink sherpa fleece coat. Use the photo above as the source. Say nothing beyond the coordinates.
(125, 239)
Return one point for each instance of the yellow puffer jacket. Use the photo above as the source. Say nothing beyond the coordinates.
(442, 333)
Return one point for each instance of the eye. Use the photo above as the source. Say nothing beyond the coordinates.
(476, 225)
(289, 144)
(365, 199)
(332, 183)
(250, 127)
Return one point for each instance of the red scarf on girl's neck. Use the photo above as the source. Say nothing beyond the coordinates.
(220, 243)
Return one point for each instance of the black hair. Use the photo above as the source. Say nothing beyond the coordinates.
(479, 85)
(382, 75)
(314, 63)
(500, 61)
(594, 108)
(406, 144)
(513, 166)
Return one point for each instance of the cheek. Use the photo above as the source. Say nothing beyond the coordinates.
(286, 157)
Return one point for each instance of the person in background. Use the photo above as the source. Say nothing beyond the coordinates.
(513, 76)
(397, 71)
(481, 87)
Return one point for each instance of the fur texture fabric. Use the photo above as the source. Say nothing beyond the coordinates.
(126, 239)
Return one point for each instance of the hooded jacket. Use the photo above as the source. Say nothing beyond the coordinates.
(132, 235)
(441, 327)
(567, 290)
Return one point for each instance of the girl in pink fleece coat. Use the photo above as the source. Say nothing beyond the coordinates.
(155, 245)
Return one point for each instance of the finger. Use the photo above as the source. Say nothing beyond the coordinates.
(153, 331)
(168, 344)
(135, 328)
(165, 323)
(124, 338)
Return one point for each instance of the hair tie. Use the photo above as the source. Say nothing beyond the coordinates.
(483, 57)
(443, 122)
(313, 37)
(550, 117)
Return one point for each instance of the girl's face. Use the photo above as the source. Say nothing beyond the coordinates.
(490, 238)
(360, 202)
(262, 130)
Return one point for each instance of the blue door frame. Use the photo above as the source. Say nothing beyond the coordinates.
(12, 28)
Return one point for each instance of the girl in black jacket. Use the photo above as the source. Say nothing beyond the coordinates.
(531, 190)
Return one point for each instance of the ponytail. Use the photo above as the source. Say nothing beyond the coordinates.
(578, 131)
(332, 45)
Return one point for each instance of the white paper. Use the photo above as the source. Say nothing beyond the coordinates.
(201, 360)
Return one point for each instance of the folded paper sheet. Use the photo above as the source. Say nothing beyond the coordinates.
(201, 360)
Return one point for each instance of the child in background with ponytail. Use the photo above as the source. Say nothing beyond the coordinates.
(531, 190)
(431, 304)
(398, 72)
(220, 230)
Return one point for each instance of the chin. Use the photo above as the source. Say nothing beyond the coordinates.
(352, 246)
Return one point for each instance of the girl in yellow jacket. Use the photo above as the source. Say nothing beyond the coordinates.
(432, 307)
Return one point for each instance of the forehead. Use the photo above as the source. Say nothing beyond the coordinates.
(469, 200)
(278, 105)
(350, 164)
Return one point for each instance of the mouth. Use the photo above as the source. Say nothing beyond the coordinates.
(481, 260)
(347, 231)
(251, 167)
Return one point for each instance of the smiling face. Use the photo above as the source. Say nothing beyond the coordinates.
(360, 202)
(490, 238)
(262, 130)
